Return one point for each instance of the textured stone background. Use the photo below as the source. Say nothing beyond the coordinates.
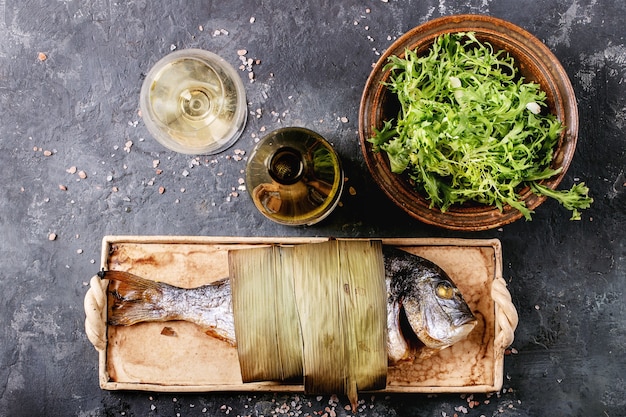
(77, 106)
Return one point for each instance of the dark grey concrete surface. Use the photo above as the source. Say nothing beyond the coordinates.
(78, 107)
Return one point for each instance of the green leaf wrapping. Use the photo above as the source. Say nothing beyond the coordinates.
(332, 294)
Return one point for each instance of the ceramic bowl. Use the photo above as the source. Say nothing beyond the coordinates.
(535, 63)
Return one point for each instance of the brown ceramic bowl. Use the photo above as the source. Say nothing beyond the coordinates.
(535, 63)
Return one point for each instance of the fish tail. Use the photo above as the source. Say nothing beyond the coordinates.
(133, 299)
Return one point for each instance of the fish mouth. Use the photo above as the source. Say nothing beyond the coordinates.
(465, 320)
(417, 335)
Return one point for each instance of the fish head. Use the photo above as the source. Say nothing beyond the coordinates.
(436, 311)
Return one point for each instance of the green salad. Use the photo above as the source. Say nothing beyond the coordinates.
(470, 129)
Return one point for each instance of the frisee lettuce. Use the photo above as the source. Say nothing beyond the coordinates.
(470, 129)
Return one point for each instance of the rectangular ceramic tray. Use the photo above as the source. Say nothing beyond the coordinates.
(184, 359)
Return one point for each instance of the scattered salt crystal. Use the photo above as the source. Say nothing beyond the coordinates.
(79, 251)
(52, 236)
(82, 175)
(62, 187)
(71, 170)
(47, 153)
(252, 19)
(242, 52)
(344, 119)
(41, 56)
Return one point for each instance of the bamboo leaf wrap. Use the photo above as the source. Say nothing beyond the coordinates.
(266, 324)
(317, 307)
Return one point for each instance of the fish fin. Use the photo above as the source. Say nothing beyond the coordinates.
(214, 333)
(425, 353)
(133, 299)
(397, 346)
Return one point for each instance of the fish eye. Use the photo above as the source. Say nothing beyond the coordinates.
(445, 290)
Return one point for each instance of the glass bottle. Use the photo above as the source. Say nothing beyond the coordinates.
(294, 176)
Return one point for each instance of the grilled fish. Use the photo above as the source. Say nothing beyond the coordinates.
(424, 307)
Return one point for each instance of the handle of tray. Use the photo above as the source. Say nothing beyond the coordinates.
(506, 314)
(96, 313)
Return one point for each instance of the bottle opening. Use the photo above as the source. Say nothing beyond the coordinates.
(286, 166)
